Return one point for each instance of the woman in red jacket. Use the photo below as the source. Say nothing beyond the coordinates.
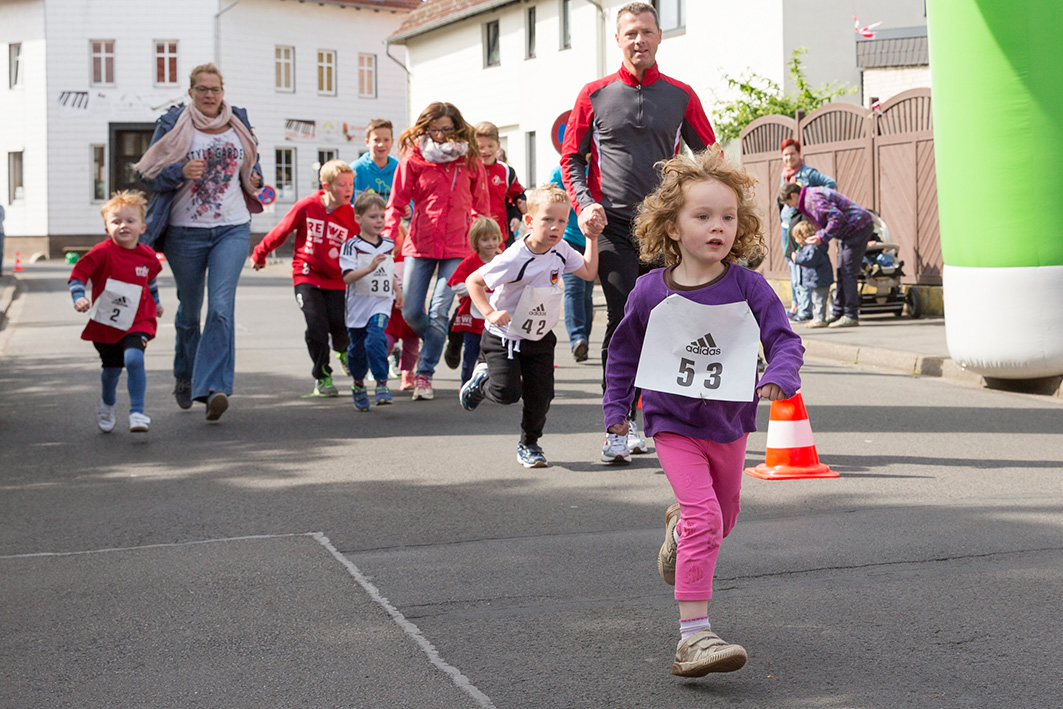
(441, 173)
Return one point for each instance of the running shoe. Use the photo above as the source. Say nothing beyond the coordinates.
(452, 353)
(531, 455)
(394, 370)
(324, 387)
(382, 395)
(845, 321)
(579, 350)
(361, 397)
(422, 389)
(182, 392)
(139, 423)
(406, 380)
(666, 556)
(705, 652)
(105, 417)
(472, 392)
(343, 363)
(635, 443)
(615, 450)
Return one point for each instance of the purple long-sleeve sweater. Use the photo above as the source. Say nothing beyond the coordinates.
(720, 421)
(838, 216)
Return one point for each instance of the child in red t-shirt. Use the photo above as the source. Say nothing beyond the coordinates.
(485, 240)
(322, 223)
(123, 273)
(502, 183)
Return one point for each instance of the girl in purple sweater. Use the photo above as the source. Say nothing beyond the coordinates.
(689, 339)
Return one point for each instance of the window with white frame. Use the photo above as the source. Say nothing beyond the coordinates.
(323, 156)
(492, 54)
(566, 24)
(326, 72)
(672, 14)
(99, 172)
(284, 61)
(14, 65)
(367, 75)
(166, 62)
(15, 189)
(284, 173)
(102, 62)
(529, 34)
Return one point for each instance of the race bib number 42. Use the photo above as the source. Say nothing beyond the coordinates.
(700, 351)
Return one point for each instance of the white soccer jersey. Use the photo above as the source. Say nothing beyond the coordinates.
(357, 253)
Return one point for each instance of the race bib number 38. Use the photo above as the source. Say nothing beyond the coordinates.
(378, 283)
(700, 351)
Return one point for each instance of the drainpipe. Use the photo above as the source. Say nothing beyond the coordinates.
(600, 36)
(217, 30)
(387, 52)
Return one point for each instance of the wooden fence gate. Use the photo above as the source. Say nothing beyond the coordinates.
(883, 162)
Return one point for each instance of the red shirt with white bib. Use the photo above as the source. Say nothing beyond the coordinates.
(319, 236)
(138, 267)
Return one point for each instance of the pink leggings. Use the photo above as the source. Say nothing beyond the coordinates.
(411, 349)
(707, 480)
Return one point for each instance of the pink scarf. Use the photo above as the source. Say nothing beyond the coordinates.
(173, 147)
(788, 172)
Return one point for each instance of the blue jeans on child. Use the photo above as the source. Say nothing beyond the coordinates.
(469, 355)
(801, 296)
(213, 257)
(579, 307)
(430, 326)
(368, 350)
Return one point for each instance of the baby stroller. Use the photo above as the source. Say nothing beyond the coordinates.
(880, 277)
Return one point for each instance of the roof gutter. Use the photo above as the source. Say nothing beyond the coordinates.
(401, 38)
(387, 52)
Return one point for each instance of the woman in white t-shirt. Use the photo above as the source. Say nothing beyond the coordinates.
(202, 168)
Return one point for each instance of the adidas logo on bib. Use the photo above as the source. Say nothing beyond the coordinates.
(120, 302)
(539, 309)
(704, 345)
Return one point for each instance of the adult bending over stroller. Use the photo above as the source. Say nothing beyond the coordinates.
(839, 218)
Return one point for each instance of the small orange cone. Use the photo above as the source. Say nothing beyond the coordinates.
(791, 451)
(18, 262)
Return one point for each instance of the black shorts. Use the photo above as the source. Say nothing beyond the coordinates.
(113, 353)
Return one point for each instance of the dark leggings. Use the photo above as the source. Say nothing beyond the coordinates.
(323, 310)
(618, 269)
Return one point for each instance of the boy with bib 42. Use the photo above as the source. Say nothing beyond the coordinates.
(517, 349)
(689, 339)
(122, 272)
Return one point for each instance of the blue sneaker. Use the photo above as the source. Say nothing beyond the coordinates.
(383, 395)
(361, 397)
(531, 455)
(472, 392)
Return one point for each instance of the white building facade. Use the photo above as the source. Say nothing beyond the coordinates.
(520, 63)
(85, 81)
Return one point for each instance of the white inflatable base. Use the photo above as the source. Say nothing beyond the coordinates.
(1005, 322)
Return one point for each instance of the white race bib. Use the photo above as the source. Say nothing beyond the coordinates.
(700, 351)
(380, 283)
(118, 304)
(537, 311)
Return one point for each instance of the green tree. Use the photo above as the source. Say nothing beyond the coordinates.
(760, 96)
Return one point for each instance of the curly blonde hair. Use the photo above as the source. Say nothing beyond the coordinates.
(660, 210)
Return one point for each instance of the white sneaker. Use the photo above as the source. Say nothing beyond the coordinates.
(422, 389)
(105, 417)
(138, 423)
(615, 450)
(635, 443)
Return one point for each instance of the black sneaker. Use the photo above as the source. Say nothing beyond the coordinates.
(182, 391)
(472, 392)
(452, 353)
(579, 350)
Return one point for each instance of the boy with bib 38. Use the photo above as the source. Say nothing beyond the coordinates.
(689, 339)
(517, 349)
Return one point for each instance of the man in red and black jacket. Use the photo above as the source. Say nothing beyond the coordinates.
(620, 127)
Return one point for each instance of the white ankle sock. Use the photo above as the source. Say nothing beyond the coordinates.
(688, 627)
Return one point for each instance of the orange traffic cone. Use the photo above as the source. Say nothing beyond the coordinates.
(791, 451)
(18, 262)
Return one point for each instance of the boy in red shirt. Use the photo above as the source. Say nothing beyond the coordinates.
(502, 182)
(322, 223)
(123, 273)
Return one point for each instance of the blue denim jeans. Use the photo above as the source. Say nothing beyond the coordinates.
(579, 307)
(430, 325)
(470, 355)
(368, 350)
(801, 295)
(213, 257)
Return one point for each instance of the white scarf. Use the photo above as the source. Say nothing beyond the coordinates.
(442, 152)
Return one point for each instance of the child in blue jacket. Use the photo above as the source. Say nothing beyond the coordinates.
(816, 273)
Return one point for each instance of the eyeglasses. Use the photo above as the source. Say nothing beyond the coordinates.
(441, 131)
(204, 90)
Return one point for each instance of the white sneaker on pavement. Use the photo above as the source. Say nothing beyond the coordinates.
(635, 443)
(105, 417)
(139, 423)
(615, 450)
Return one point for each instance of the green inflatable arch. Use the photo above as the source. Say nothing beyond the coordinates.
(997, 71)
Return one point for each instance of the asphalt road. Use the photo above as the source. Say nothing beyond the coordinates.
(300, 553)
